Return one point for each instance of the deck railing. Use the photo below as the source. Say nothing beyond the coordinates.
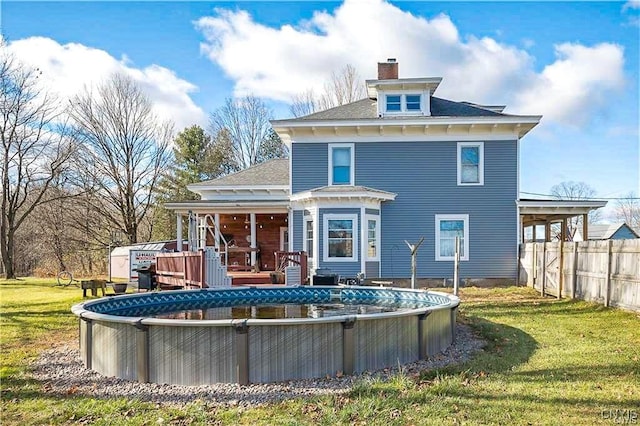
(190, 269)
(293, 258)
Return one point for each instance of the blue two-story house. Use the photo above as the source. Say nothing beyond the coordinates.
(365, 177)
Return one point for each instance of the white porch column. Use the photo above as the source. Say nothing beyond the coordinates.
(254, 242)
(202, 232)
(217, 231)
(178, 232)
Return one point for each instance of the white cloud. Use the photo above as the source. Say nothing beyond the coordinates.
(631, 4)
(68, 69)
(577, 84)
(278, 63)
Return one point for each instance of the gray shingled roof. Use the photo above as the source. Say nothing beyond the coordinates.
(368, 109)
(272, 172)
(364, 108)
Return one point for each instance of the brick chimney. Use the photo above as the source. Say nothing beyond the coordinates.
(388, 70)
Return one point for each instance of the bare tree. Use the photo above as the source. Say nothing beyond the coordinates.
(304, 103)
(627, 209)
(576, 191)
(343, 87)
(246, 123)
(126, 149)
(35, 149)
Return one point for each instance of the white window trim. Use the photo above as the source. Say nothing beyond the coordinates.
(305, 241)
(352, 166)
(325, 237)
(480, 146)
(424, 102)
(366, 237)
(465, 219)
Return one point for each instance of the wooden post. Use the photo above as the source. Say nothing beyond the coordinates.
(574, 267)
(547, 231)
(607, 288)
(456, 266)
(561, 268)
(533, 232)
(563, 232)
(585, 227)
(544, 267)
(414, 266)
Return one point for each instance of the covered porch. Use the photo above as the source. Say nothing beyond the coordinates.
(544, 214)
(251, 240)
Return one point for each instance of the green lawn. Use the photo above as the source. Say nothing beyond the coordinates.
(546, 362)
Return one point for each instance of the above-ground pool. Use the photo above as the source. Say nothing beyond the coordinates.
(196, 337)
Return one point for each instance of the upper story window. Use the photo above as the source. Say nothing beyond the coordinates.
(413, 102)
(394, 103)
(410, 102)
(470, 163)
(341, 164)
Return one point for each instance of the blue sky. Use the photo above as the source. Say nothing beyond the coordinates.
(576, 63)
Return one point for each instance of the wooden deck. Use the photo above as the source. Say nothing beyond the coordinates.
(250, 278)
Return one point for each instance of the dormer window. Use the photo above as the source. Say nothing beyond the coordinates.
(398, 103)
(394, 103)
(413, 102)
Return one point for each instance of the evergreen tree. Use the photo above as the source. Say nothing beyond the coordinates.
(197, 157)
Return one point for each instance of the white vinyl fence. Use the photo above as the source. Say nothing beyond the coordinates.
(215, 271)
(607, 271)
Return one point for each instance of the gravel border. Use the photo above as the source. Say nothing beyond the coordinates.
(62, 373)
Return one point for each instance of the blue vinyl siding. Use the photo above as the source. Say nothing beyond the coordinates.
(347, 269)
(623, 233)
(309, 166)
(424, 175)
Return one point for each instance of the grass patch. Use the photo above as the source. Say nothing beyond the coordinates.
(546, 361)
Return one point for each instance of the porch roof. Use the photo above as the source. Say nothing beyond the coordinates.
(236, 206)
(540, 211)
(343, 192)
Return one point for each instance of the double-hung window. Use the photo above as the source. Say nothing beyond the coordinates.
(470, 163)
(308, 237)
(340, 237)
(448, 227)
(341, 164)
(373, 233)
